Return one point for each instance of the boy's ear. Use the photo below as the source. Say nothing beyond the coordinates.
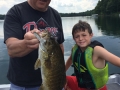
(91, 34)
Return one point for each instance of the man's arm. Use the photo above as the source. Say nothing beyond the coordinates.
(20, 48)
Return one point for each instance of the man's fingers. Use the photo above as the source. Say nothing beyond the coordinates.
(35, 30)
(33, 46)
(30, 35)
(32, 42)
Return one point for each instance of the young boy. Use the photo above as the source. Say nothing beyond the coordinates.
(89, 61)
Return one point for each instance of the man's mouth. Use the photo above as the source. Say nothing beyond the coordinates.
(44, 0)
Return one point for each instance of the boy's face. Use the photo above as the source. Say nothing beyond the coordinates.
(82, 38)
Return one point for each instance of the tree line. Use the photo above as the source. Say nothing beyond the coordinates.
(2, 17)
(107, 7)
(103, 7)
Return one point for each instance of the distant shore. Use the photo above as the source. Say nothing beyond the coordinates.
(2, 16)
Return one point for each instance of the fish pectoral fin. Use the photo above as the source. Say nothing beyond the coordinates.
(37, 64)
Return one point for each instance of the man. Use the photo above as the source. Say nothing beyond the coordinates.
(20, 22)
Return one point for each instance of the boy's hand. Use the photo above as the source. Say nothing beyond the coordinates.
(66, 87)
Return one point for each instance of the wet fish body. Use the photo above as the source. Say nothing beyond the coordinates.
(52, 64)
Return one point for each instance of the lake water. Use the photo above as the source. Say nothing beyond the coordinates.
(105, 29)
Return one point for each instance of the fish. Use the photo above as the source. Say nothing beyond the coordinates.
(51, 62)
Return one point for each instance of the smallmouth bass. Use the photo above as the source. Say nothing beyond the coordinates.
(51, 61)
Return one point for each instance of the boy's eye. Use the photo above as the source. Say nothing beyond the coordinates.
(84, 35)
(77, 36)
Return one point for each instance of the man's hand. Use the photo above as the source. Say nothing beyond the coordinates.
(20, 48)
(31, 40)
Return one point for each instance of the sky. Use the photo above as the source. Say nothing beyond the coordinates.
(62, 6)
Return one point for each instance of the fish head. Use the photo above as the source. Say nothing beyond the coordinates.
(47, 41)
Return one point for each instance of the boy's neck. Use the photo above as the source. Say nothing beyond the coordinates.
(82, 49)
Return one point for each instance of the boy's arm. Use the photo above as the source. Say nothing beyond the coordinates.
(68, 63)
(106, 55)
(62, 48)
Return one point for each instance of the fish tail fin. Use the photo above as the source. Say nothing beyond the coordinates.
(37, 64)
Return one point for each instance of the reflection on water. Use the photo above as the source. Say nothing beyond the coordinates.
(1, 28)
(105, 29)
(109, 25)
(68, 23)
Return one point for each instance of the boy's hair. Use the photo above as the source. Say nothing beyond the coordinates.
(81, 26)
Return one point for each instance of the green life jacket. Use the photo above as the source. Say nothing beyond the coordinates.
(87, 75)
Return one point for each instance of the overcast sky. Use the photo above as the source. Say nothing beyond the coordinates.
(63, 6)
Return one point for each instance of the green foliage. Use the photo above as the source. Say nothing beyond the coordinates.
(103, 7)
(107, 7)
(2, 17)
(87, 13)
